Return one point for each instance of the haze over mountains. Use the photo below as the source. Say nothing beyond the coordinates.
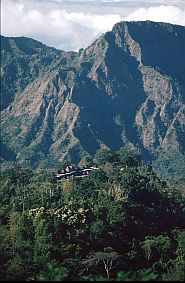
(128, 87)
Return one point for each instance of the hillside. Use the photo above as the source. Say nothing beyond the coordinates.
(119, 223)
(126, 88)
(22, 61)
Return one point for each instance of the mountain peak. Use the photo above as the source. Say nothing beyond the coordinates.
(126, 88)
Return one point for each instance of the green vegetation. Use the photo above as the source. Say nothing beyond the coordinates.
(120, 223)
(170, 165)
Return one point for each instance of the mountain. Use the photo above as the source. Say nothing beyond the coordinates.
(22, 61)
(128, 87)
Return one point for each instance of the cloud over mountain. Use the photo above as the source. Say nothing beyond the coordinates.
(168, 14)
(70, 25)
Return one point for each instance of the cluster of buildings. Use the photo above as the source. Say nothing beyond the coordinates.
(74, 172)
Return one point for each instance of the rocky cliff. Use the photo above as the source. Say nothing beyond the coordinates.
(128, 87)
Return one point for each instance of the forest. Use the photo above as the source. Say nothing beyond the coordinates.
(120, 223)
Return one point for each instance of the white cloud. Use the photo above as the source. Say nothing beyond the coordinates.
(62, 24)
(55, 27)
(168, 14)
(97, 23)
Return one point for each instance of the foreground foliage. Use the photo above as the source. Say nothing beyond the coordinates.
(119, 223)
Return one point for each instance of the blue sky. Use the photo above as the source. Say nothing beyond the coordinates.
(73, 24)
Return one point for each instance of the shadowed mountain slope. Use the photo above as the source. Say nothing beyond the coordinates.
(128, 87)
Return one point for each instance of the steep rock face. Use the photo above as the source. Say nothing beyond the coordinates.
(164, 100)
(124, 88)
(22, 61)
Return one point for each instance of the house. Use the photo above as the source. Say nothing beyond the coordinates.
(71, 172)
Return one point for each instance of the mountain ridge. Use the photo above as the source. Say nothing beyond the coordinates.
(110, 94)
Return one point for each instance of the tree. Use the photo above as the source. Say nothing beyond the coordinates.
(108, 258)
(86, 161)
(170, 164)
(157, 248)
(43, 238)
(98, 176)
(53, 272)
(20, 238)
(129, 157)
(177, 270)
(63, 165)
(97, 228)
(104, 156)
